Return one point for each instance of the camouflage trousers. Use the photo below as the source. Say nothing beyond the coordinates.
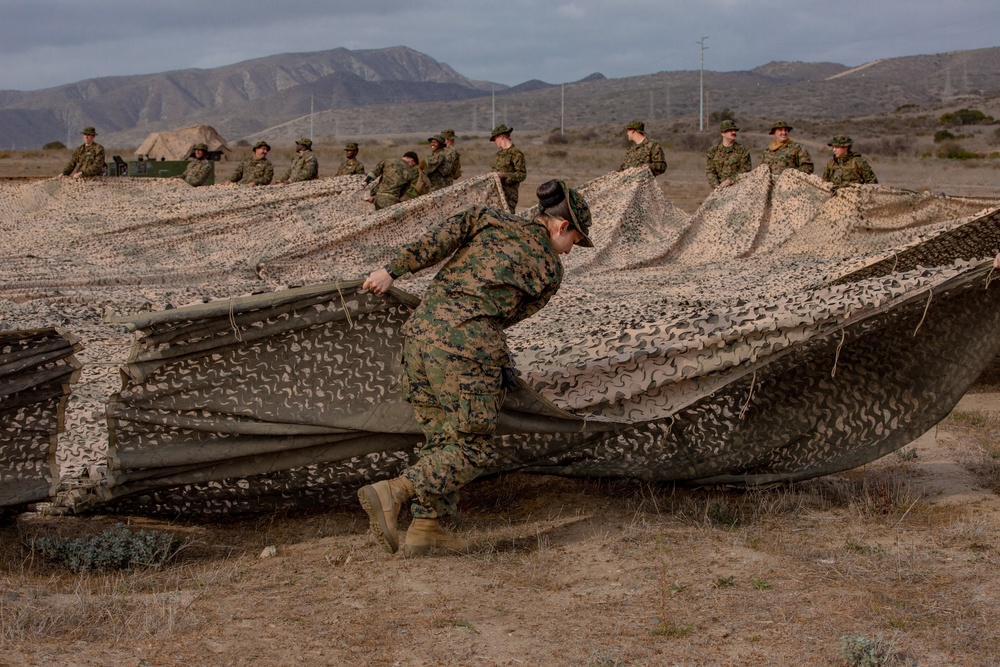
(385, 201)
(510, 194)
(456, 401)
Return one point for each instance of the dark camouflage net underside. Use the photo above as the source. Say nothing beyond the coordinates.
(781, 332)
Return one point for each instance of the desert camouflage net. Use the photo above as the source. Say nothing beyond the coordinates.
(36, 370)
(783, 331)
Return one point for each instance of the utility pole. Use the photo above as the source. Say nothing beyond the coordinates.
(701, 87)
(311, 100)
(494, 106)
(562, 110)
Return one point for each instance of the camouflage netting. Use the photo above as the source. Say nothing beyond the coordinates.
(782, 332)
(36, 370)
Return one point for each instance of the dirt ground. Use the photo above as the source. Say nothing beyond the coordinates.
(899, 557)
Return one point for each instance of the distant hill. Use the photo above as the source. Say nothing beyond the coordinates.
(398, 90)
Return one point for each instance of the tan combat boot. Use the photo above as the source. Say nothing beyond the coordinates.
(426, 535)
(382, 501)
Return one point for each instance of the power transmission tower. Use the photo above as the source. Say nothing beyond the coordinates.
(701, 87)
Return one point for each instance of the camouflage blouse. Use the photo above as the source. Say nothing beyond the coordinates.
(198, 172)
(395, 177)
(726, 163)
(252, 171)
(503, 270)
(439, 169)
(788, 155)
(509, 163)
(351, 167)
(304, 167)
(648, 152)
(456, 163)
(848, 170)
(88, 160)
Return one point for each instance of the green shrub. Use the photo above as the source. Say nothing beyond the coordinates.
(54, 146)
(115, 548)
(866, 652)
(955, 152)
(966, 117)
(943, 135)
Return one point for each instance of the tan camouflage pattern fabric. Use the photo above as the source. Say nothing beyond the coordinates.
(88, 160)
(36, 370)
(455, 159)
(852, 169)
(646, 153)
(198, 172)
(784, 330)
(439, 169)
(252, 171)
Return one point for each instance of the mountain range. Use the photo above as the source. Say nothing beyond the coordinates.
(344, 93)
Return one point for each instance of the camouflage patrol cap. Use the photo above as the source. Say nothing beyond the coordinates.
(351, 146)
(262, 143)
(89, 130)
(779, 126)
(199, 147)
(636, 125)
(841, 140)
(448, 134)
(500, 129)
(438, 138)
(304, 142)
(727, 125)
(579, 211)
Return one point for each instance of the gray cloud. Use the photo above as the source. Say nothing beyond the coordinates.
(46, 43)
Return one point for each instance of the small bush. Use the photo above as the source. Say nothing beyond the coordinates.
(115, 548)
(943, 135)
(966, 117)
(556, 137)
(866, 652)
(54, 146)
(954, 151)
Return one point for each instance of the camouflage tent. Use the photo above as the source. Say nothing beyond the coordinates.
(783, 331)
(176, 144)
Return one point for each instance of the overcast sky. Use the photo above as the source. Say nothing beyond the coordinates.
(45, 43)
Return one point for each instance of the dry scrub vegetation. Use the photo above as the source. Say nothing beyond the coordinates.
(892, 564)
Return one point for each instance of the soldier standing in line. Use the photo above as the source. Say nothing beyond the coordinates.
(255, 169)
(395, 176)
(200, 169)
(88, 158)
(438, 164)
(643, 151)
(305, 166)
(728, 158)
(420, 185)
(502, 269)
(509, 163)
(351, 166)
(453, 155)
(847, 167)
(783, 153)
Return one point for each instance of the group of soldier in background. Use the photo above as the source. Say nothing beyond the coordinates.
(409, 176)
(728, 159)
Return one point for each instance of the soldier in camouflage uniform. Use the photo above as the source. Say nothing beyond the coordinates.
(783, 153)
(453, 155)
(438, 164)
(305, 166)
(256, 169)
(351, 166)
(88, 158)
(728, 158)
(502, 269)
(643, 150)
(509, 163)
(394, 177)
(200, 169)
(847, 167)
(420, 185)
